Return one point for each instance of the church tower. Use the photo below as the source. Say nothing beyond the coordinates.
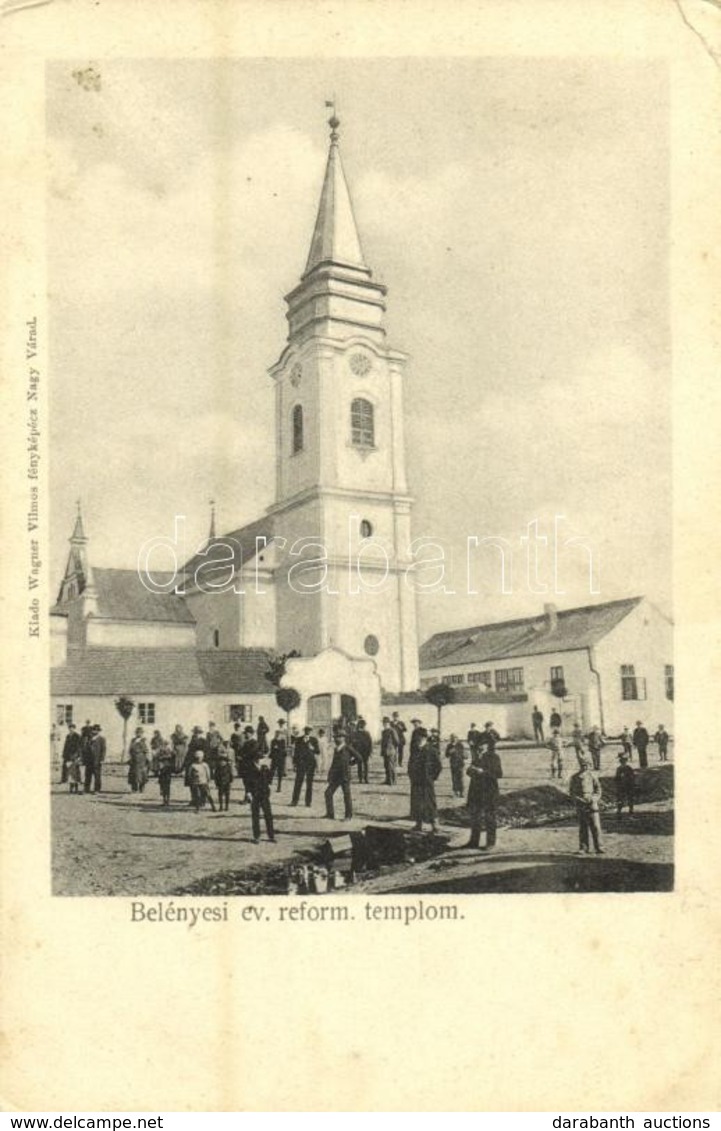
(341, 518)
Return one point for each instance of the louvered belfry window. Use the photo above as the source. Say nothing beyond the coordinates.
(362, 424)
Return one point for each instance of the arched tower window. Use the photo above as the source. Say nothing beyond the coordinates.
(216, 638)
(297, 429)
(362, 424)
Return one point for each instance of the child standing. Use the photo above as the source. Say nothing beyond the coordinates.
(200, 782)
(223, 779)
(165, 763)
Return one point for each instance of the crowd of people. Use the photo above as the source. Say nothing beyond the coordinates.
(208, 765)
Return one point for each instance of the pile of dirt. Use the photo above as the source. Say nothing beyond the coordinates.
(652, 785)
(258, 879)
(537, 805)
(548, 804)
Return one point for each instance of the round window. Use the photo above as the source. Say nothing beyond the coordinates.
(360, 364)
(366, 529)
(371, 645)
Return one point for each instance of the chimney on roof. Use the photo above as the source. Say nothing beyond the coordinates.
(551, 614)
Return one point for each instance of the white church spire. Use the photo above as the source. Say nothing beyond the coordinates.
(335, 236)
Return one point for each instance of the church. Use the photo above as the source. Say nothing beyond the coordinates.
(322, 573)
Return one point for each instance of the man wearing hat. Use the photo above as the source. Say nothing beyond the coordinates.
(305, 754)
(339, 776)
(625, 784)
(640, 741)
(416, 738)
(71, 750)
(400, 728)
(585, 789)
(94, 770)
(246, 758)
(389, 751)
(363, 746)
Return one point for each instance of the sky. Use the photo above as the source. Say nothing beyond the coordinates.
(517, 210)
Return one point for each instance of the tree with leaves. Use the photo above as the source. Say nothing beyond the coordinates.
(125, 708)
(276, 666)
(440, 695)
(288, 699)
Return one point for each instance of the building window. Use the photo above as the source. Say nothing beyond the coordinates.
(509, 680)
(64, 714)
(632, 685)
(480, 677)
(371, 645)
(361, 421)
(237, 713)
(453, 679)
(557, 675)
(146, 713)
(216, 638)
(669, 681)
(297, 429)
(366, 529)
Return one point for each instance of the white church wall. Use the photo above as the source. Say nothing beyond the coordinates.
(258, 624)
(139, 634)
(217, 611)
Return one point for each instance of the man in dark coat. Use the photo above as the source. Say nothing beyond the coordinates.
(213, 743)
(363, 746)
(484, 771)
(555, 720)
(258, 778)
(305, 757)
(661, 737)
(625, 785)
(488, 739)
(415, 741)
(537, 717)
(94, 769)
(262, 734)
(339, 776)
(400, 728)
(473, 738)
(249, 752)
(71, 750)
(424, 766)
(389, 751)
(456, 756)
(640, 741)
(278, 754)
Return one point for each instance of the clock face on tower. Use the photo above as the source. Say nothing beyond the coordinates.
(359, 364)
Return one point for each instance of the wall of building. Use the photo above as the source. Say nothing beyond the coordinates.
(332, 672)
(645, 639)
(58, 640)
(221, 612)
(581, 703)
(138, 634)
(189, 711)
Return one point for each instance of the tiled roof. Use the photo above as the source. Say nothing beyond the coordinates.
(241, 542)
(575, 628)
(243, 670)
(161, 671)
(123, 596)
